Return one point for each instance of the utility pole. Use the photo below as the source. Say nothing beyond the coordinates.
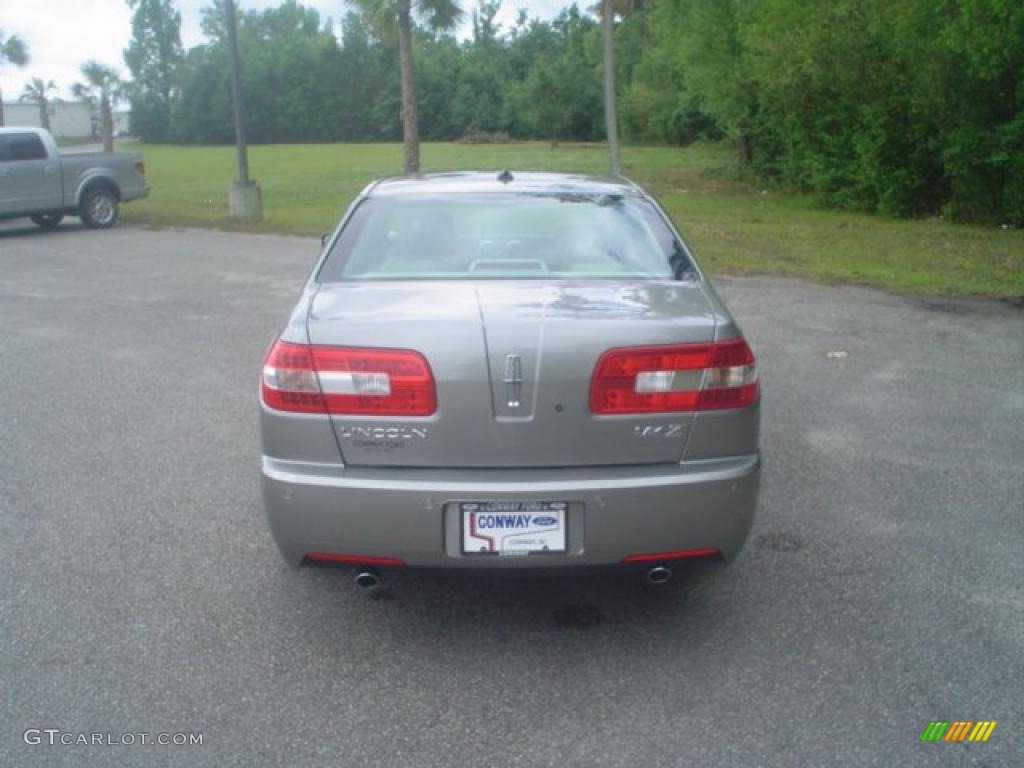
(610, 118)
(244, 196)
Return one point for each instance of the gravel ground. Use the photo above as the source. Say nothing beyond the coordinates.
(140, 591)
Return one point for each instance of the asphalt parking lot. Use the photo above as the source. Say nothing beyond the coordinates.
(882, 587)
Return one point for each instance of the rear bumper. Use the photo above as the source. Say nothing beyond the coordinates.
(134, 193)
(412, 514)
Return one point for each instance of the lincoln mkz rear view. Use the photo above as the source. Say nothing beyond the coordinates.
(509, 371)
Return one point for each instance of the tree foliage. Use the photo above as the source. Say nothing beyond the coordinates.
(394, 19)
(906, 108)
(101, 87)
(12, 51)
(38, 92)
(306, 81)
(153, 56)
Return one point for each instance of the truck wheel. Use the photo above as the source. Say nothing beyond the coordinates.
(47, 220)
(99, 208)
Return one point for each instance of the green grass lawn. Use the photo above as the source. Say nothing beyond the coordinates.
(74, 141)
(733, 226)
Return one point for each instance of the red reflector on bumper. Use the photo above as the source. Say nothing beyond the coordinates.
(676, 554)
(331, 557)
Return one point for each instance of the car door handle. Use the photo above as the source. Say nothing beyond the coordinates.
(51, 169)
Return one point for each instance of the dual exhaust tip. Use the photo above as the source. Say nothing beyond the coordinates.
(659, 574)
(368, 578)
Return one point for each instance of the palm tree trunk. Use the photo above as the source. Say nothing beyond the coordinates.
(410, 120)
(610, 119)
(108, 124)
(1, 109)
(44, 114)
(744, 150)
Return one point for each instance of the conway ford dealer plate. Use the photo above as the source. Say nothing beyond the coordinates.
(513, 527)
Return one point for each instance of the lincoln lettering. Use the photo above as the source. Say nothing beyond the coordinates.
(384, 433)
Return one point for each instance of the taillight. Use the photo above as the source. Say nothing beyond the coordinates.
(677, 377)
(289, 380)
(140, 167)
(347, 380)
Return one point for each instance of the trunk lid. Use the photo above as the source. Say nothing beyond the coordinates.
(512, 361)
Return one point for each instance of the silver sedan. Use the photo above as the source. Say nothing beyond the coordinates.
(509, 371)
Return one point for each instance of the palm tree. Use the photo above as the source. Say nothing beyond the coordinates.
(608, 9)
(13, 51)
(611, 122)
(38, 91)
(395, 16)
(103, 86)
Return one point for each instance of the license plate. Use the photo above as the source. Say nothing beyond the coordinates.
(514, 527)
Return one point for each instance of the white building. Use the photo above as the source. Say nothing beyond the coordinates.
(122, 122)
(68, 119)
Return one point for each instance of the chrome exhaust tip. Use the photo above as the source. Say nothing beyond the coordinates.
(368, 579)
(659, 574)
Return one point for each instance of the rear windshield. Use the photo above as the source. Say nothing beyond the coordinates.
(504, 235)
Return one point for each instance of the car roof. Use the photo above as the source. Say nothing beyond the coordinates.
(20, 129)
(503, 181)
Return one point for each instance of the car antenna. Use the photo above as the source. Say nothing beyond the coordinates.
(505, 176)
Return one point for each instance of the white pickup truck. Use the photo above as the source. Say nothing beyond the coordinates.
(38, 182)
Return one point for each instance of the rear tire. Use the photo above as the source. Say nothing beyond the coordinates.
(99, 209)
(47, 220)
